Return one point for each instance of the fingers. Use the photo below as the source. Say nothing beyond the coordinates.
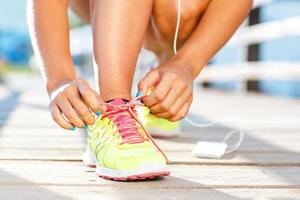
(59, 119)
(178, 109)
(177, 93)
(68, 111)
(151, 79)
(72, 94)
(160, 91)
(182, 113)
(169, 97)
(72, 104)
(83, 111)
(90, 97)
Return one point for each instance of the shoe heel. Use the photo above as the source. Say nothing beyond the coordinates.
(89, 159)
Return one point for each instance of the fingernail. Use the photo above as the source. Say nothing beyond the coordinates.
(139, 93)
(73, 128)
(85, 127)
(98, 113)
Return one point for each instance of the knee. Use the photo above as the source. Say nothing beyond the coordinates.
(165, 16)
(81, 8)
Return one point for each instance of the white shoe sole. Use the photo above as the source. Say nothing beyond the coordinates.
(148, 171)
(89, 159)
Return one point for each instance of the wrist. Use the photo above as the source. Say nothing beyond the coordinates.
(52, 84)
(189, 64)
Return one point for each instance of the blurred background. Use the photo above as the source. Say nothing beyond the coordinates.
(263, 56)
(253, 82)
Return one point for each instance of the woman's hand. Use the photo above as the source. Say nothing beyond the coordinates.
(72, 104)
(173, 90)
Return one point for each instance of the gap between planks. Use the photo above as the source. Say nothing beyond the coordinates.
(241, 164)
(156, 187)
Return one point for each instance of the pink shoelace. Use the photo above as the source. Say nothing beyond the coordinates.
(124, 116)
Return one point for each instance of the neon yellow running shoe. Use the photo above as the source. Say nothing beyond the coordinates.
(158, 127)
(120, 147)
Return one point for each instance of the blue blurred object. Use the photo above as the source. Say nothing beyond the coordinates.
(286, 49)
(15, 47)
(14, 39)
(280, 9)
(280, 50)
(227, 55)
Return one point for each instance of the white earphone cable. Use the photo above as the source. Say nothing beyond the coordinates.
(177, 26)
(230, 148)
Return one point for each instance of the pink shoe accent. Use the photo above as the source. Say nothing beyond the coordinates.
(124, 116)
(139, 177)
(117, 111)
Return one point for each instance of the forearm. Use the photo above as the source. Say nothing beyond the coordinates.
(49, 30)
(219, 22)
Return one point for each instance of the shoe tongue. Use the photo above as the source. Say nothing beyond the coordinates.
(123, 119)
(115, 102)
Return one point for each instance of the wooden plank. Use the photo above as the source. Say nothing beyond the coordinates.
(48, 138)
(75, 174)
(251, 112)
(175, 157)
(95, 193)
(66, 143)
(289, 140)
(185, 144)
(56, 138)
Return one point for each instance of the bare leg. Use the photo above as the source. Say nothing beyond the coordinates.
(160, 32)
(118, 27)
(119, 31)
(81, 8)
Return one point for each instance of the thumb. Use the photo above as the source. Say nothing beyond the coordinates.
(150, 80)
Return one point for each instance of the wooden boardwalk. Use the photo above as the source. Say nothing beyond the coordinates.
(40, 161)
